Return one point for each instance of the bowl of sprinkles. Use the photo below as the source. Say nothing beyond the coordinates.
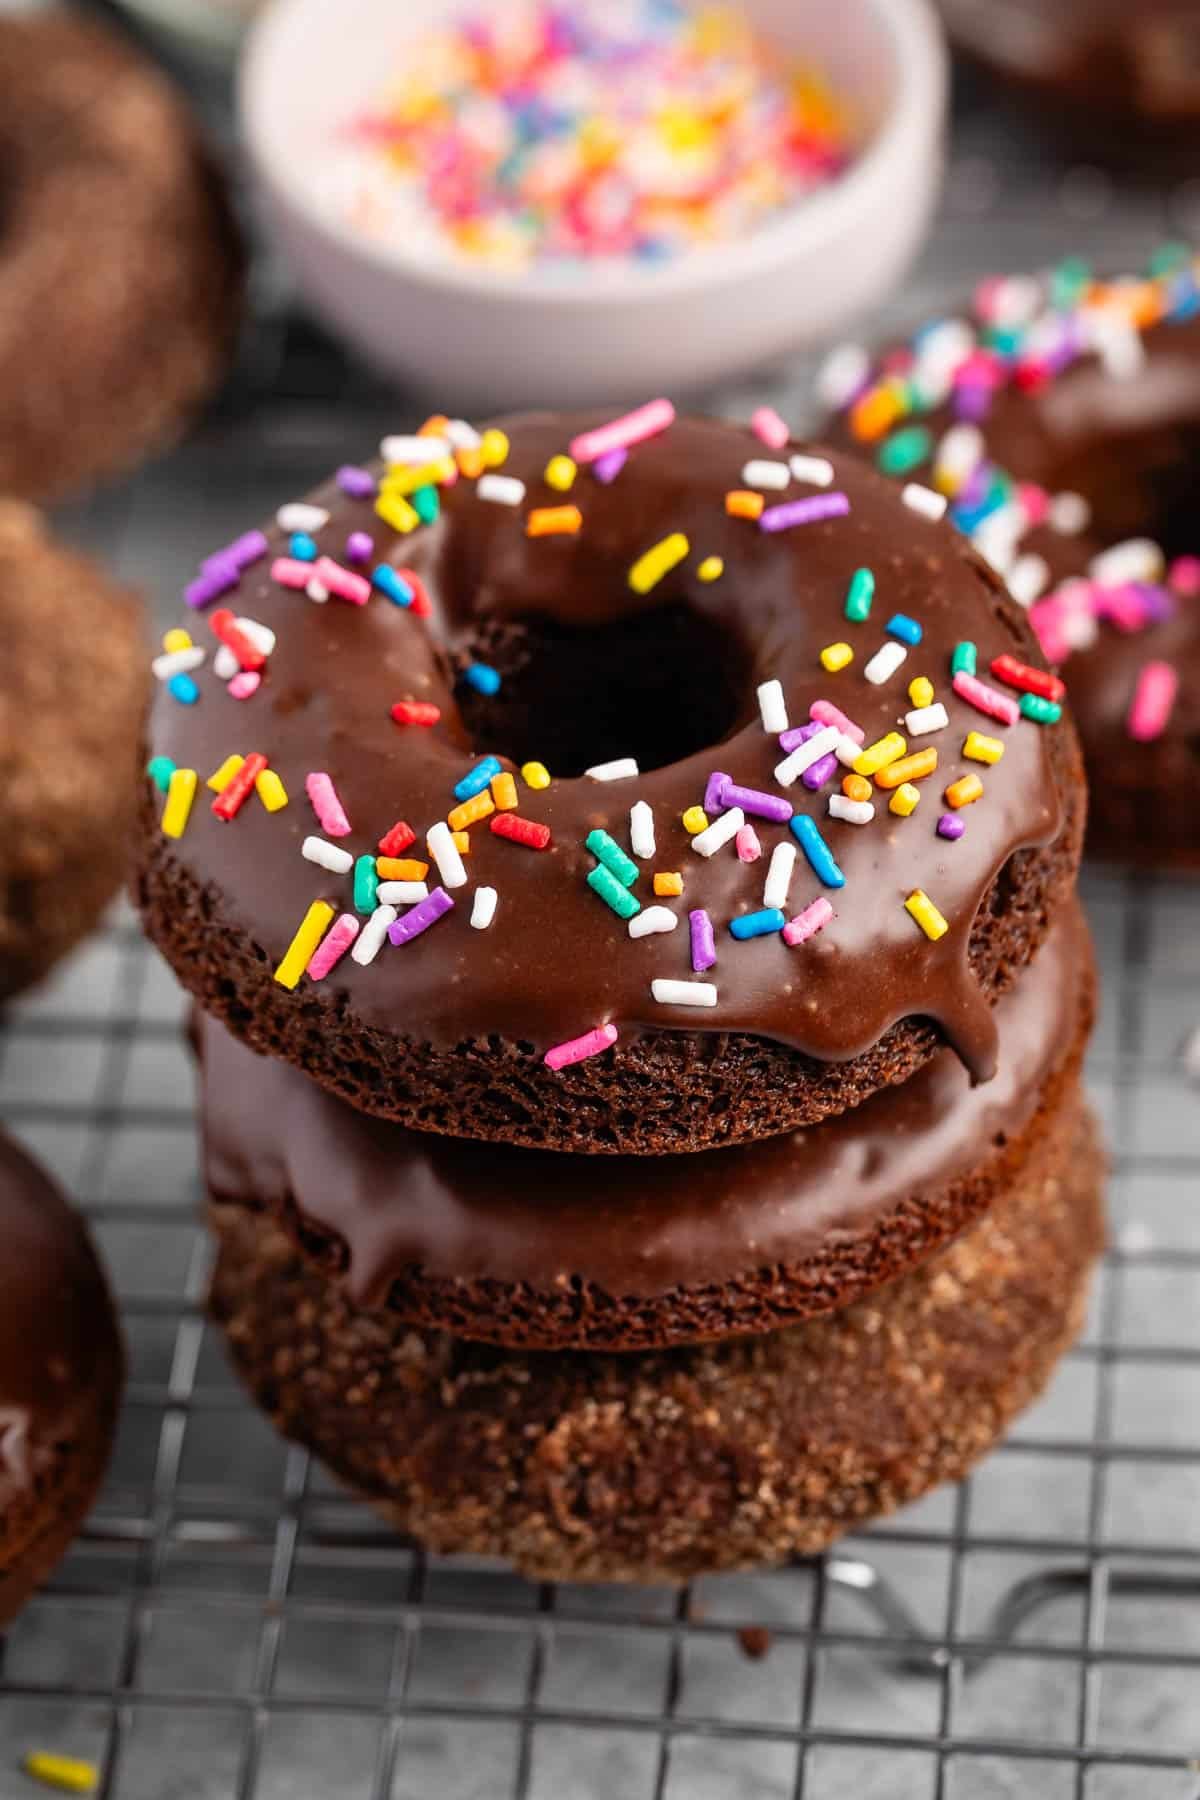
(640, 192)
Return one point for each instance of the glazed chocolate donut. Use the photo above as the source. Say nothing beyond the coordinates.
(72, 693)
(660, 1467)
(1062, 416)
(535, 1250)
(61, 1373)
(120, 270)
(635, 616)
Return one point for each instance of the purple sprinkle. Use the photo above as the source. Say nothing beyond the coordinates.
(606, 468)
(763, 806)
(704, 946)
(974, 490)
(1157, 603)
(808, 511)
(714, 793)
(950, 826)
(358, 483)
(972, 403)
(818, 773)
(215, 579)
(359, 547)
(425, 913)
(795, 735)
(251, 547)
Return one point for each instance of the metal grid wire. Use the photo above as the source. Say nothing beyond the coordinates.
(230, 1625)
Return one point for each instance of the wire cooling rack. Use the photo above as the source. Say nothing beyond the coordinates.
(230, 1627)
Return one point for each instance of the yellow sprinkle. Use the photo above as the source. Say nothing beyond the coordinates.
(920, 907)
(920, 690)
(695, 820)
(180, 793)
(220, 778)
(560, 474)
(963, 791)
(711, 569)
(462, 842)
(70, 1774)
(470, 812)
(400, 868)
(406, 478)
(494, 445)
(395, 511)
(905, 800)
(978, 747)
(878, 755)
(658, 561)
(176, 639)
(299, 953)
(504, 791)
(271, 791)
(836, 656)
(535, 775)
(668, 881)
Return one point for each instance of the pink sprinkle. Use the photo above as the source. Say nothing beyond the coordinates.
(986, 699)
(1035, 502)
(333, 946)
(807, 923)
(1184, 575)
(245, 684)
(828, 714)
(619, 434)
(748, 847)
(342, 582)
(580, 1048)
(291, 574)
(1153, 698)
(769, 428)
(326, 805)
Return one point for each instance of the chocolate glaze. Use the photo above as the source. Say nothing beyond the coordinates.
(557, 961)
(400, 1199)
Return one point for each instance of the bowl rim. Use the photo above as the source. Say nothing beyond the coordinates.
(815, 222)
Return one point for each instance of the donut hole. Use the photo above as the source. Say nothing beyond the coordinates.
(658, 686)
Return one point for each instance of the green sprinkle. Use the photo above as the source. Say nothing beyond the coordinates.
(1006, 339)
(905, 450)
(1168, 259)
(613, 857)
(1069, 281)
(160, 770)
(1043, 712)
(366, 885)
(613, 894)
(426, 505)
(963, 660)
(859, 595)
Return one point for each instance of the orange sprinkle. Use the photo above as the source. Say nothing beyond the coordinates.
(470, 812)
(400, 868)
(668, 881)
(504, 791)
(470, 463)
(740, 503)
(437, 425)
(874, 413)
(964, 790)
(908, 768)
(553, 521)
(856, 787)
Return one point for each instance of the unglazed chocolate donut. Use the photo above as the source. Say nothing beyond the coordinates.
(664, 612)
(120, 271)
(1062, 417)
(534, 1250)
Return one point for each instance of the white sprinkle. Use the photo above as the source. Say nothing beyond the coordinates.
(445, 854)
(779, 875)
(652, 919)
(371, 938)
(684, 993)
(225, 663)
(772, 707)
(885, 662)
(316, 590)
(403, 893)
(812, 469)
(620, 770)
(1136, 559)
(504, 490)
(1069, 514)
(261, 636)
(957, 456)
(641, 830)
(414, 450)
(805, 755)
(762, 473)
(722, 831)
(178, 662)
(483, 909)
(841, 375)
(996, 537)
(1029, 578)
(943, 347)
(854, 812)
(1119, 346)
(923, 500)
(846, 750)
(1015, 300)
(924, 719)
(299, 515)
(327, 856)
(1080, 630)
(462, 435)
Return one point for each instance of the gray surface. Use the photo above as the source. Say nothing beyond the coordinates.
(230, 1626)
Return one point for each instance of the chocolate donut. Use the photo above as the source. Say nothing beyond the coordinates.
(72, 693)
(661, 611)
(1062, 418)
(61, 1372)
(537, 1250)
(120, 271)
(660, 1467)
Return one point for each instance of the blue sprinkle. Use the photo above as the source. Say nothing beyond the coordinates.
(757, 924)
(184, 689)
(393, 585)
(303, 547)
(904, 628)
(477, 779)
(817, 850)
(483, 678)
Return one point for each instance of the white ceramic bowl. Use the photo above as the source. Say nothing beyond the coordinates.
(475, 338)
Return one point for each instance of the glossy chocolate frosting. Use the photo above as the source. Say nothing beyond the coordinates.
(557, 962)
(402, 1200)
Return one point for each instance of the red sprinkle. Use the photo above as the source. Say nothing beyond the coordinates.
(234, 795)
(231, 634)
(521, 831)
(1034, 681)
(416, 712)
(420, 593)
(398, 839)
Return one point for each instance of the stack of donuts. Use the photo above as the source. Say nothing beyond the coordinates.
(625, 870)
